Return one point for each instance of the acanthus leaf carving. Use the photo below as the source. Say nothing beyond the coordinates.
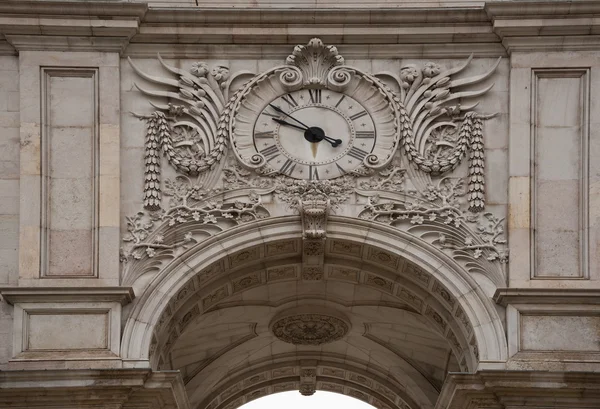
(423, 196)
(187, 132)
(314, 61)
(425, 107)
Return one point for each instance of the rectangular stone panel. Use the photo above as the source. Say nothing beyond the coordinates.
(67, 330)
(559, 333)
(559, 201)
(69, 147)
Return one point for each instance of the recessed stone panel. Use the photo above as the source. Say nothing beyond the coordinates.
(66, 331)
(559, 333)
(559, 146)
(69, 153)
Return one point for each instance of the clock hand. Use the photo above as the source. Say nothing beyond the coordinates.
(281, 111)
(333, 142)
(282, 122)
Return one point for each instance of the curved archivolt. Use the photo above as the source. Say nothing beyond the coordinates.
(411, 310)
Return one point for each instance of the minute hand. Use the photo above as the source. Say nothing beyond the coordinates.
(333, 142)
(281, 111)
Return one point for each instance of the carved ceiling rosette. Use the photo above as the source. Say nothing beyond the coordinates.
(310, 326)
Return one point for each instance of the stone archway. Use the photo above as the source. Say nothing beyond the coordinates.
(371, 272)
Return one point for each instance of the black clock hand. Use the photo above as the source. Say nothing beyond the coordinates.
(281, 111)
(282, 122)
(333, 142)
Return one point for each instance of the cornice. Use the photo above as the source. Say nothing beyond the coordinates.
(546, 25)
(430, 31)
(70, 25)
(59, 9)
(279, 51)
(122, 295)
(76, 388)
(506, 296)
(499, 389)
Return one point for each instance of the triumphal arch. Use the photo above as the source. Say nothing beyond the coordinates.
(204, 203)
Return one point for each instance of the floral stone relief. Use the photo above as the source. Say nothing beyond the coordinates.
(421, 189)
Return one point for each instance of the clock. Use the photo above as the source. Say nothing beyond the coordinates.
(314, 134)
(313, 119)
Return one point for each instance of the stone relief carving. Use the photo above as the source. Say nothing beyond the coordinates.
(187, 132)
(481, 235)
(428, 117)
(417, 190)
(309, 328)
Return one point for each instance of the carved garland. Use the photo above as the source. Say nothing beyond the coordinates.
(193, 138)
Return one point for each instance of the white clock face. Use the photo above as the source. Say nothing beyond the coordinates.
(314, 134)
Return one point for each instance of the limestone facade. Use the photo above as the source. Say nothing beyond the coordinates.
(202, 204)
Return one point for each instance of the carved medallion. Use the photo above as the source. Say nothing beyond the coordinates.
(310, 328)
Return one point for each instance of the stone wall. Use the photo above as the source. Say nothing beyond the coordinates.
(9, 192)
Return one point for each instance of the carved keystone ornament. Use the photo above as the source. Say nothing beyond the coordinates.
(312, 133)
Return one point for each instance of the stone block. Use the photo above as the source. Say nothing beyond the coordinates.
(70, 253)
(70, 153)
(47, 330)
(70, 204)
(557, 253)
(559, 333)
(72, 98)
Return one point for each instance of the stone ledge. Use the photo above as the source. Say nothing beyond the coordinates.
(506, 296)
(535, 389)
(12, 295)
(123, 388)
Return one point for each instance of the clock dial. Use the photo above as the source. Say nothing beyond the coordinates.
(314, 134)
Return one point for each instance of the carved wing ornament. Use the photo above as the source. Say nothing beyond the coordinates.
(397, 139)
(186, 127)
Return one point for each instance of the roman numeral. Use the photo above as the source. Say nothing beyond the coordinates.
(365, 134)
(266, 134)
(313, 173)
(358, 115)
(270, 152)
(288, 167)
(271, 115)
(341, 169)
(289, 99)
(340, 101)
(357, 153)
(315, 96)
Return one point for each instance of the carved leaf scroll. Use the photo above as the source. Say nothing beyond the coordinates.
(428, 101)
(186, 127)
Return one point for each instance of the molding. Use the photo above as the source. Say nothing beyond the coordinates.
(75, 388)
(12, 295)
(6, 48)
(280, 51)
(69, 8)
(552, 43)
(506, 296)
(430, 31)
(500, 389)
(546, 25)
(67, 43)
(70, 26)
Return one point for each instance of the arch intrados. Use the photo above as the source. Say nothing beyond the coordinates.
(435, 304)
(477, 307)
(405, 364)
(347, 376)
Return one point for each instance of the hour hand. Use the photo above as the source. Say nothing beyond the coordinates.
(282, 122)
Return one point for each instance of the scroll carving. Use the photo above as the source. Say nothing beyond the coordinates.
(417, 188)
